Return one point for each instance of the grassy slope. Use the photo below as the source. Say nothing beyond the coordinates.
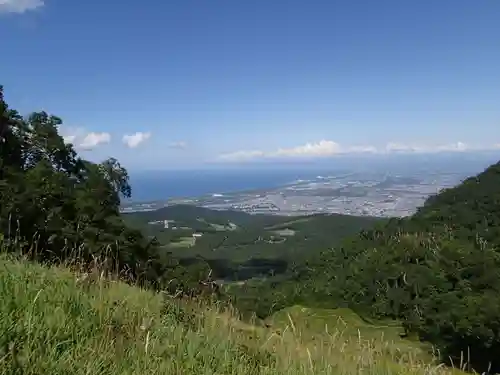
(53, 323)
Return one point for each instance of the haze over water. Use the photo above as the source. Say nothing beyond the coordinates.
(162, 185)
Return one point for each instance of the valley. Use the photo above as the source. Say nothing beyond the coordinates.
(239, 245)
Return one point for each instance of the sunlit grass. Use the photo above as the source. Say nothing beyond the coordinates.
(53, 321)
(183, 242)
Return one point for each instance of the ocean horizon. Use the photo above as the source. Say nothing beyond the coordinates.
(187, 184)
(169, 184)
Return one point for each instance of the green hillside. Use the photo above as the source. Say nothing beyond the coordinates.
(241, 235)
(438, 272)
(53, 321)
(188, 215)
(238, 245)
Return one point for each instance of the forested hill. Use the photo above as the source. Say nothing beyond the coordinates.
(437, 271)
(56, 206)
(472, 208)
(240, 246)
(189, 214)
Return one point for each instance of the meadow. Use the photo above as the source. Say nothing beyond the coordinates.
(54, 320)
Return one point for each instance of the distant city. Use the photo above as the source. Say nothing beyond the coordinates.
(363, 194)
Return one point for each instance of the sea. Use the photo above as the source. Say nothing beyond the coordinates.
(168, 184)
(153, 186)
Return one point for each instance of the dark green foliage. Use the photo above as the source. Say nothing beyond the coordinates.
(58, 207)
(54, 202)
(437, 271)
(255, 357)
(443, 288)
(471, 210)
(190, 215)
(180, 314)
(255, 247)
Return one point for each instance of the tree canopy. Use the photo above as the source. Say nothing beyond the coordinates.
(57, 206)
(437, 271)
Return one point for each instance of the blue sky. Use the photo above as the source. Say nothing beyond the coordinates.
(181, 83)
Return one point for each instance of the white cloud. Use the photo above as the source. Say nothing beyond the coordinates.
(242, 155)
(93, 139)
(329, 148)
(134, 140)
(19, 6)
(362, 149)
(319, 149)
(178, 145)
(70, 138)
(400, 147)
(81, 139)
(412, 148)
(72, 134)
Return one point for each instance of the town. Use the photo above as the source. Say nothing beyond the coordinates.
(362, 194)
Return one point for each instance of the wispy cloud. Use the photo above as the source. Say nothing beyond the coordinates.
(82, 139)
(325, 148)
(134, 140)
(70, 138)
(19, 6)
(319, 149)
(93, 139)
(401, 147)
(178, 145)
(242, 155)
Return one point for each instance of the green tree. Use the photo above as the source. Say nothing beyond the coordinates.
(56, 206)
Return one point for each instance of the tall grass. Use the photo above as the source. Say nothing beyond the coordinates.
(54, 321)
